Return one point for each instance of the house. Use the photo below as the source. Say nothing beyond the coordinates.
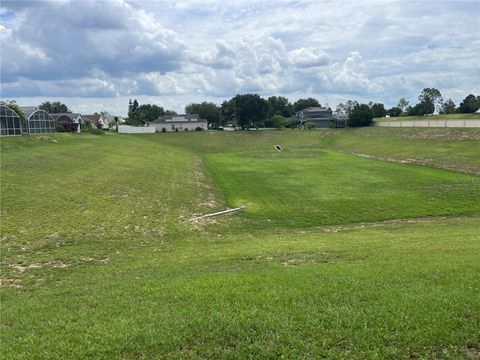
(71, 122)
(98, 121)
(188, 122)
(322, 117)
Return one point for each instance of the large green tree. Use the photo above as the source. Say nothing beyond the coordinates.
(250, 110)
(403, 104)
(301, 104)
(470, 104)
(394, 111)
(448, 107)
(55, 107)
(141, 114)
(378, 109)
(430, 98)
(150, 112)
(206, 110)
(361, 115)
(279, 105)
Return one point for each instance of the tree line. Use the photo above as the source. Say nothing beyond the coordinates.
(253, 111)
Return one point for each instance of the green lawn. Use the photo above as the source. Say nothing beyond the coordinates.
(99, 260)
(310, 188)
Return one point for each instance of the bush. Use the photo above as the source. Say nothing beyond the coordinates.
(198, 128)
(90, 130)
(164, 130)
(292, 122)
(309, 125)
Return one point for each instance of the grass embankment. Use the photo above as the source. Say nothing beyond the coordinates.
(99, 262)
(432, 117)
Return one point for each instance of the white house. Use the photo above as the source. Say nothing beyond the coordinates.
(188, 122)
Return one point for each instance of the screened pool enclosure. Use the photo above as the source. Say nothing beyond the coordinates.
(10, 122)
(35, 121)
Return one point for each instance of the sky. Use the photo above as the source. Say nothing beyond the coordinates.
(96, 55)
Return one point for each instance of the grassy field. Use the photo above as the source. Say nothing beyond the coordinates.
(432, 117)
(336, 256)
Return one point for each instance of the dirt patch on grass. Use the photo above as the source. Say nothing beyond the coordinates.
(291, 259)
(23, 267)
(453, 167)
(13, 283)
(365, 225)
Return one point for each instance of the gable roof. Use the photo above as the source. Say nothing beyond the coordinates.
(94, 117)
(315, 109)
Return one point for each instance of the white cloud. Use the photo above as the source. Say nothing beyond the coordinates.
(194, 51)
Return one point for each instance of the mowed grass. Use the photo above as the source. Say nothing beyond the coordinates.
(311, 188)
(99, 260)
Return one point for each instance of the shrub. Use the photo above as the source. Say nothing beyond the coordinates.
(186, 129)
(198, 128)
(164, 130)
(309, 125)
(90, 130)
(292, 122)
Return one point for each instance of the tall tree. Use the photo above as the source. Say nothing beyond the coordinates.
(448, 107)
(279, 105)
(301, 104)
(149, 112)
(228, 112)
(430, 96)
(344, 110)
(394, 111)
(206, 110)
(54, 108)
(378, 109)
(361, 115)
(251, 110)
(403, 104)
(470, 104)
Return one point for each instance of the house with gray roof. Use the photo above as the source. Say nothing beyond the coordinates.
(187, 122)
(321, 117)
(71, 122)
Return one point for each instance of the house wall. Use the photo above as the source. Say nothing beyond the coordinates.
(321, 123)
(181, 126)
(126, 129)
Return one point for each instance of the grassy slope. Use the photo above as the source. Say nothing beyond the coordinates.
(308, 188)
(93, 233)
(432, 117)
(451, 148)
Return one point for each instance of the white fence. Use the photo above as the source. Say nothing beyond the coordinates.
(126, 129)
(431, 123)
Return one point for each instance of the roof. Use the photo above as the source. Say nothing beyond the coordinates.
(94, 117)
(72, 116)
(315, 109)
